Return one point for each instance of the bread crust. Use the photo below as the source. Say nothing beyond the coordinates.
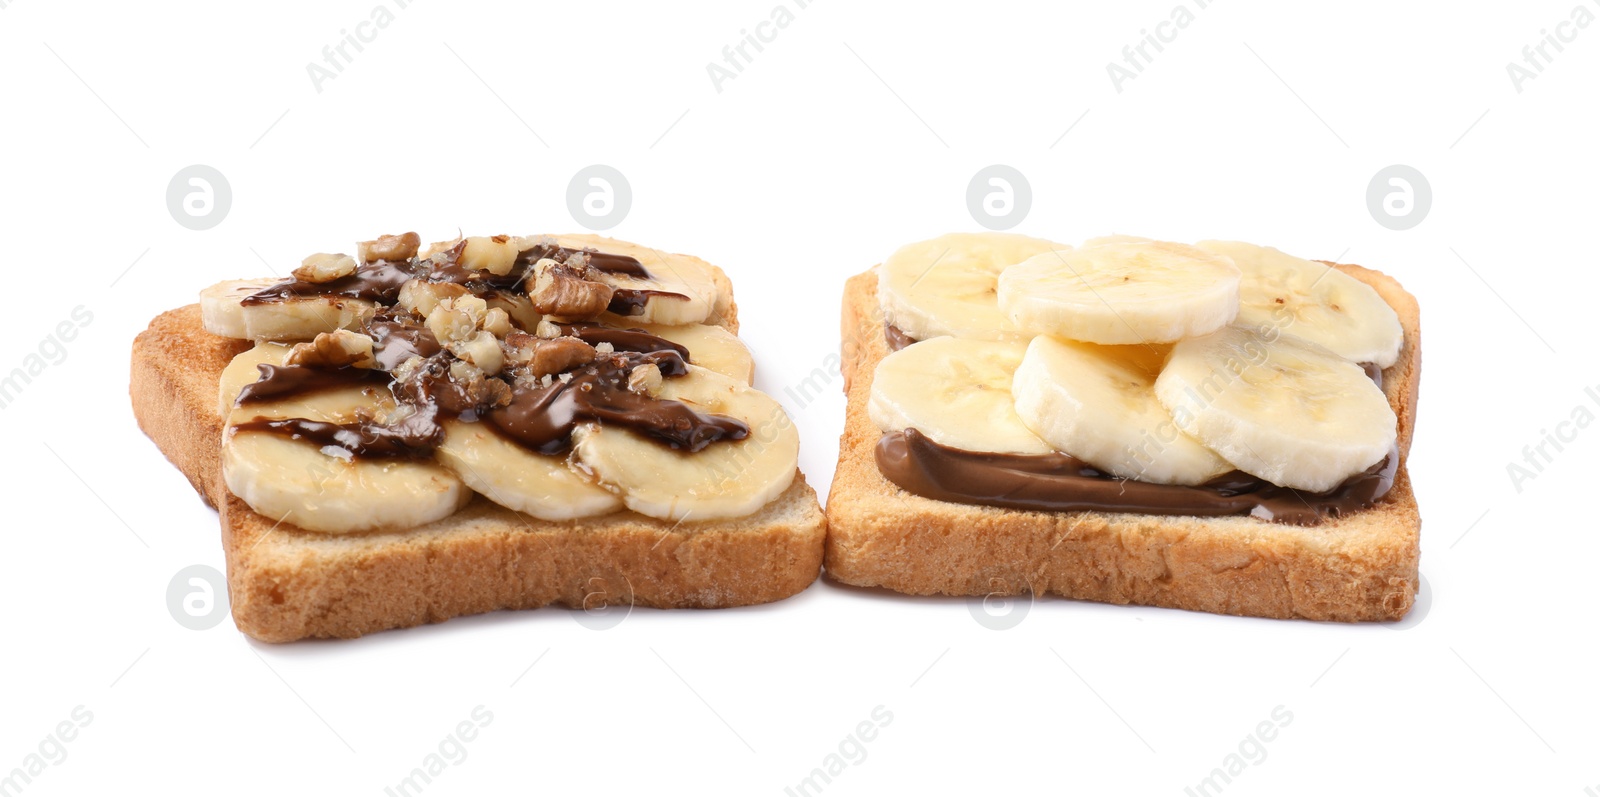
(286, 583)
(1362, 566)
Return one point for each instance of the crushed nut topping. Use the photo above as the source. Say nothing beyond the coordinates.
(457, 319)
(389, 247)
(497, 322)
(567, 293)
(421, 296)
(543, 356)
(495, 254)
(545, 329)
(645, 379)
(334, 350)
(323, 267)
(483, 351)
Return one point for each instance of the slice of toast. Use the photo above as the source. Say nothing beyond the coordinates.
(1362, 566)
(286, 583)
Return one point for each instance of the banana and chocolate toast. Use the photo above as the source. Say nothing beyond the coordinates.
(1219, 427)
(417, 433)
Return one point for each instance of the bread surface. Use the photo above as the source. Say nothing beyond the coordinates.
(286, 583)
(1362, 566)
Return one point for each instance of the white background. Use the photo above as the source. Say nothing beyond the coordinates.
(855, 131)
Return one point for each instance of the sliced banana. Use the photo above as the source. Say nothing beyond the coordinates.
(730, 478)
(298, 482)
(1122, 292)
(291, 319)
(1098, 403)
(699, 298)
(1279, 408)
(525, 481)
(293, 481)
(333, 405)
(957, 392)
(946, 286)
(1314, 301)
(710, 347)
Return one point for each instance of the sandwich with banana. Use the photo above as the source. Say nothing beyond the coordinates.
(1220, 427)
(417, 432)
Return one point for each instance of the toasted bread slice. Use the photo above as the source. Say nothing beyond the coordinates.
(1362, 566)
(286, 583)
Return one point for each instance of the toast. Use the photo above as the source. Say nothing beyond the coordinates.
(286, 583)
(1361, 566)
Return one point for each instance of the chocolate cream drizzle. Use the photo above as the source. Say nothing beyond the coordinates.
(540, 416)
(1062, 483)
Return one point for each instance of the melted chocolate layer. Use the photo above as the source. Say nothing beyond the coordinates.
(1060, 483)
(374, 282)
(543, 417)
(277, 381)
(631, 301)
(415, 437)
(622, 339)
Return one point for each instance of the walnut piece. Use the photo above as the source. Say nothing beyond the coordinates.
(564, 292)
(494, 254)
(323, 267)
(544, 356)
(645, 379)
(389, 247)
(334, 350)
(482, 350)
(421, 296)
(456, 320)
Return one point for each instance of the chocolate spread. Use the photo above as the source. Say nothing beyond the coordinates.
(539, 414)
(1060, 483)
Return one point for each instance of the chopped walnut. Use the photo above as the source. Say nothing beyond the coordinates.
(565, 293)
(389, 247)
(334, 350)
(605, 347)
(478, 388)
(438, 247)
(482, 350)
(497, 322)
(645, 379)
(456, 320)
(546, 329)
(543, 356)
(494, 254)
(421, 296)
(323, 267)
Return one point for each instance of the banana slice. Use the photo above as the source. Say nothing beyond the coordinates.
(296, 319)
(332, 405)
(1313, 301)
(946, 286)
(1122, 292)
(1282, 409)
(698, 297)
(514, 477)
(293, 481)
(1098, 403)
(956, 391)
(710, 347)
(723, 480)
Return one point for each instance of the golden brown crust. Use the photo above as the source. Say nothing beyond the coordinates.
(1360, 567)
(286, 583)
